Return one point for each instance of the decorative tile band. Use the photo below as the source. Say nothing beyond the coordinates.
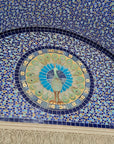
(60, 31)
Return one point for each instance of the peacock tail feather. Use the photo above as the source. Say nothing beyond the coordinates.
(46, 76)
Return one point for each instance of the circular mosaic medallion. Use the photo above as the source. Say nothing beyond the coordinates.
(53, 79)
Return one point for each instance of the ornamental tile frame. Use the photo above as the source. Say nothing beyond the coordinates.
(30, 82)
(56, 116)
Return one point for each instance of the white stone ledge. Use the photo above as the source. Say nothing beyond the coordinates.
(32, 133)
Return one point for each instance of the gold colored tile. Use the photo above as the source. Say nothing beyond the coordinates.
(61, 52)
(24, 84)
(86, 91)
(74, 104)
(87, 80)
(79, 62)
(82, 97)
(25, 63)
(84, 70)
(40, 52)
(29, 92)
(62, 107)
(39, 101)
(22, 73)
(70, 56)
(52, 106)
(50, 50)
(31, 56)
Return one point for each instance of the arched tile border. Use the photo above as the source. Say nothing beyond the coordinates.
(64, 32)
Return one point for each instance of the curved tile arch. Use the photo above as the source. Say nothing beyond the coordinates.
(60, 31)
(92, 19)
(80, 120)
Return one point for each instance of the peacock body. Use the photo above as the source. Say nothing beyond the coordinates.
(56, 82)
(56, 85)
(55, 78)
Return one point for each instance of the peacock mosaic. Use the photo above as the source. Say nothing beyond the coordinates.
(54, 79)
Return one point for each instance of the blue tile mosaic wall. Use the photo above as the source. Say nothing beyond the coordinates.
(97, 112)
(89, 18)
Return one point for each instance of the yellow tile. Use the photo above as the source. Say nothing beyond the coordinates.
(22, 73)
(62, 107)
(74, 104)
(50, 50)
(29, 92)
(39, 101)
(52, 106)
(84, 70)
(82, 97)
(40, 52)
(87, 80)
(31, 56)
(70, 56)
(86, 91)
(25, 63)
(24, 84)
(60, 51)
(79, 62)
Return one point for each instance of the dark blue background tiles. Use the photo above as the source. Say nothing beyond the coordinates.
(96, 112)
(90, 19)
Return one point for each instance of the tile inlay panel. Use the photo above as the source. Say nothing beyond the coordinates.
(53, 79)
